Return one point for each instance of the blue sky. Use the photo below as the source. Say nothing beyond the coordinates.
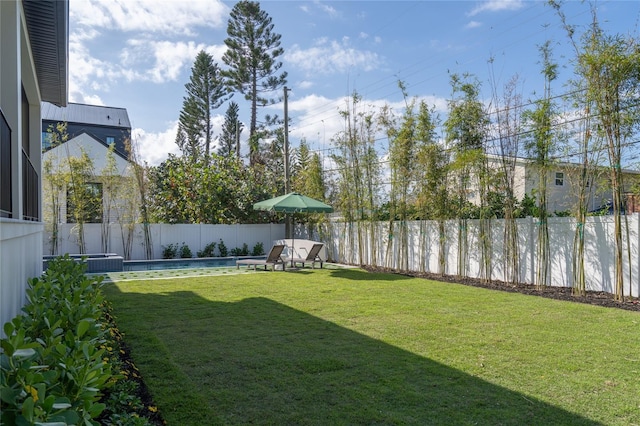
(137, 54)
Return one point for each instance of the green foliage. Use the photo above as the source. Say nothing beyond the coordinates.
(208, 250)
(222, 248)
(170, 251)
(252, 55)
(526, 207)
(222, 191)
(206, 91)
(52, 367)
(240, 251)
(185, 252)
(257, 250)
(231, 130)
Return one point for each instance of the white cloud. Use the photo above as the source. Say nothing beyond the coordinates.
(165, 16)
(331, 56)
(162, 61)
(154, 148)
(496, 6)
(306, 84)
(473, 24)
(329, 10)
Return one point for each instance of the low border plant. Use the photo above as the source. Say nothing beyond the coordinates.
(58, 357)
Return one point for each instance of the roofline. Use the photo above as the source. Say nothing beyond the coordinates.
(48, 28)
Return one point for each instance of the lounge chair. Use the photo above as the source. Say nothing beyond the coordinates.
(312, 257)
(273, 258)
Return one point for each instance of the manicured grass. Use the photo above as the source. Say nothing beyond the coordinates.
(348, 347)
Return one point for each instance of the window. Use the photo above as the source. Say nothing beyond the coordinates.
(559, 179)
(110, 140)
(6, 207)
(47, 139)
(85, 203)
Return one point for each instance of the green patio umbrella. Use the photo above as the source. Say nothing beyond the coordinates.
(293, 203)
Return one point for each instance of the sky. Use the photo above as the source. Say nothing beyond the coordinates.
(137, 54)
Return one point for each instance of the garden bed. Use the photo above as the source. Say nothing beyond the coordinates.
(598, 298)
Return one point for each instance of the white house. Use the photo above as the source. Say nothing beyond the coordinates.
(562, 178)
(91, 129)
(34, 38)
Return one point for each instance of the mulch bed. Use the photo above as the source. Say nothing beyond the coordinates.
(598, 298)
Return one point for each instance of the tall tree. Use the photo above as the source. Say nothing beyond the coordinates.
(465, 132)
(508, 126)
(432, 162)
(610, 66)
(403, 145)
(358, 175)
(55, 180)
(206, 91)
(540, 147)
(252, 57)
(231, 130)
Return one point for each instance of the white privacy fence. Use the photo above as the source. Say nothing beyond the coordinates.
(195, 236)
(380, 247)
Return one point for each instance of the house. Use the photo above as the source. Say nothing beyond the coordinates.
(562, 181)
(90, 130)
(107, 125)
(34, 40)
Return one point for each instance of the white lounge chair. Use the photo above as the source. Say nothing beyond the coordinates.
(312, 257)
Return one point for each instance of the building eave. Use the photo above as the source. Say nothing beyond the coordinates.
(48, 27)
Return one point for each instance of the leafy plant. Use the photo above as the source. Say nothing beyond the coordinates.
(208, 250)
(185, 252)
(169, 251)
(258, 250)
(52, 365)
(222, 248)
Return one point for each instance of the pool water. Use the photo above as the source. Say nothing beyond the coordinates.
(152, 265)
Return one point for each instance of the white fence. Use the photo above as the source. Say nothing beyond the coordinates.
(194, 235)
(345, 244)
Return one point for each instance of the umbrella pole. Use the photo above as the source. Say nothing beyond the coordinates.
(293, 238)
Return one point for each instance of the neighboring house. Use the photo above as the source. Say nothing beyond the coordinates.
(108, 125)
(34, 48)
(562, 179)
(91, 129)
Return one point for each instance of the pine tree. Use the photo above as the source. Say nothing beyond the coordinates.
(231, 130)
(252, 56)
(206, 91)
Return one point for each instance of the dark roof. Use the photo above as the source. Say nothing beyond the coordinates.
(48, 28)
(87, 114)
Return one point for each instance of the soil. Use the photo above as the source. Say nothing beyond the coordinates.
(598, 298)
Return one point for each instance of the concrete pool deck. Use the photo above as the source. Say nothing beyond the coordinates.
(163, 274)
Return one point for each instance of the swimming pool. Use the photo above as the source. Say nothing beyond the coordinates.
(152, 265)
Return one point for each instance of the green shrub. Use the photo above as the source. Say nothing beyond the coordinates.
(169, 251)
(208, 250)
(258, 250)
(222, 248)
(238, 251)
(52, 367)
(185, 252)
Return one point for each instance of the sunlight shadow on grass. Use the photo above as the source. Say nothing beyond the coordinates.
(256, 361)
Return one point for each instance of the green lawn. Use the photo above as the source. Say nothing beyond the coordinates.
(345, 347)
